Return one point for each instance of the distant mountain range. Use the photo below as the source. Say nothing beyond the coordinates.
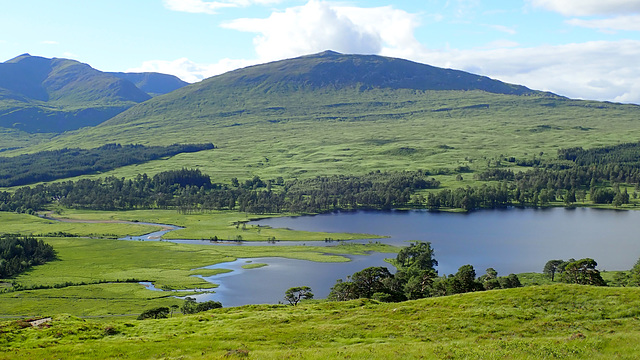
(54, 95)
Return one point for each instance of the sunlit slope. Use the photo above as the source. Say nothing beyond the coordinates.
(330, 113)
(548, 322)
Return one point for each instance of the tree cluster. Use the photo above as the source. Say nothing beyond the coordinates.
(190, 306)
(64, 163)
(573, 271)
(189, 190)
(415, 278)
(18, 253)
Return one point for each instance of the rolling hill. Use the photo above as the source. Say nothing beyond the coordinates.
(41, 95)
(330, 113)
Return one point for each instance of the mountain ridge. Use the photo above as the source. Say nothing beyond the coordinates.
(39, 94)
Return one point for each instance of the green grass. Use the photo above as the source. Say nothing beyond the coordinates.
(104, 264)
(30, 224)
(541, 322)
(364, 135)
(253, 266)
(225, 225)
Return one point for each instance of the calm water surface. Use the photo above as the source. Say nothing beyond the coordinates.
(511, 241)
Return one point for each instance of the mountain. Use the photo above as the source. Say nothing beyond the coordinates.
(331, 113)
(38, 94)
(152, 83)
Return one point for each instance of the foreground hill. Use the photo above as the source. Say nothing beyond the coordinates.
(41, 95)
(558, 321)
(348, 114)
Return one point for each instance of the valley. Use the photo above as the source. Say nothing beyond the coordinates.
(330, 134)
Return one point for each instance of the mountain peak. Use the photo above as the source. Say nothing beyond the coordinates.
(330, 69)
(327, 53)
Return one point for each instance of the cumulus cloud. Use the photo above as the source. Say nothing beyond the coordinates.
(211, 7)
(600, 70)
(589, 7)
(319, 26)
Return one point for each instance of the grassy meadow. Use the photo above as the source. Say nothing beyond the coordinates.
(225, 225)
(538, 322)
(347, 132)
(34, 225)
(99, 276)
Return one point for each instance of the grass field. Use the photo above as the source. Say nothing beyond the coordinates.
(29, 224)
(225, 225)
(351, 133)
(540, 322)
(88, 277)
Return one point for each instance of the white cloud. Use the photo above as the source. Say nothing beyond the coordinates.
(603, 70)
(497, 44)
(190, 71)
(589, 7)
(503, 29)
(600, 70)
(625, 23)
(319, 26)
(211, 7)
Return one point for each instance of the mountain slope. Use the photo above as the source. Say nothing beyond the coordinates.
(152, 83)
(54, 95)
(329, 113)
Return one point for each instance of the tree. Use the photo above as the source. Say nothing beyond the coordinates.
(634, 274)
(155, 313)
(490, 279)
(189, 306)
(465, 280)
(552, 267)
(174, 307)
(208, 305)
(343, 291)
(419, 284)
(417, 255)
(583, 272)
(370, 281)
(508, 282)
(296, 294)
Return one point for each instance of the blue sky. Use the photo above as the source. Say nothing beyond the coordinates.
(587, 49)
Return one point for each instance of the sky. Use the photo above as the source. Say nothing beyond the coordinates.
(584, 49)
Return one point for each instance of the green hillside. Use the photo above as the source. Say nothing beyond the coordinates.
(541, 322)
(41, 95)
(344, 114)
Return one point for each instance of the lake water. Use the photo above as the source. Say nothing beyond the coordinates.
(511, 241)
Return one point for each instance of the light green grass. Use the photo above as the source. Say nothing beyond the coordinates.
(225, 225)
(253, 266)
(541, 322)
(167, 265)
(34, 225)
